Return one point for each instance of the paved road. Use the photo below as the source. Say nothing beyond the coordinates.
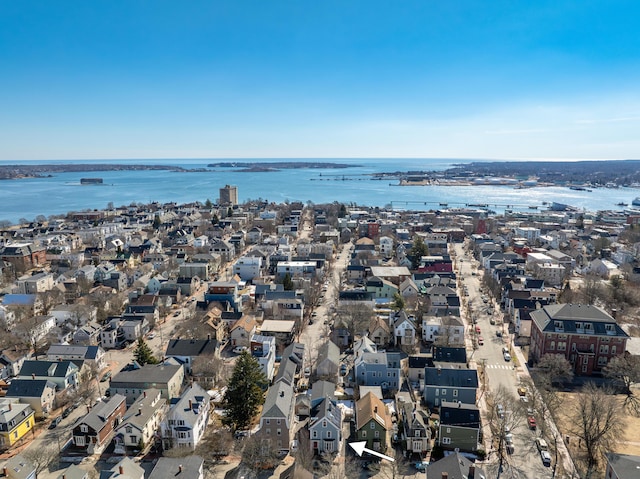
(525, 462)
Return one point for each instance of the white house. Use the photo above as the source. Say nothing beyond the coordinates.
(187, 419)
(263, 349)
(404, 329)
(248, 267)
(448, 329)
(386, 246)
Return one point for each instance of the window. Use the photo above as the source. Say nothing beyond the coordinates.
(376, 434)
(278, 422)
(448, 430)
(268, 421)
(585, 360)
(315, 433)
(613, 349)
(279, 431)
(584, 368)
(324, 424)
(444, 392)
(372, 425)
(552, 345)
(455, 393)
(562, 346)
(604, 349)
(364, 433)
(328, 434)
(133, 439)
(446, 440)
(602, 361)
(84, 428)
(437, 392)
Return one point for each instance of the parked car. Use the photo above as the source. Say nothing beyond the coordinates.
(55, 422)
(541, 444)
(239, 349)
(151, 335)
(105, 377)
(522, 391)
(499, 334)
(241, 434)
(478, 329)
(500, 410)
(343, 369)
(532, 422)
(307, 372)
(66, 412)
(480, 340)
(546, 458)
(507, 357)
(421, 465)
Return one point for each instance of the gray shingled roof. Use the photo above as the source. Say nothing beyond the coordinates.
(279, 401)
(28, 388)
(570, 313)
(96, 418)
(191, 347)
(169, 467)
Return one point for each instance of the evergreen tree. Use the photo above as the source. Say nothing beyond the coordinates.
(398, 302)
(417, 251)
(287, 282)
(156, 222)
(208, 204)
(143, 354)
(214, 219)
(244, 392)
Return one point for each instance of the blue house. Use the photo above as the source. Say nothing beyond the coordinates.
(456, 383)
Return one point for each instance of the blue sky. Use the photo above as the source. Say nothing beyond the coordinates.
(232, 79)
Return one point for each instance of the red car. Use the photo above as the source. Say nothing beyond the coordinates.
(478, 329)
(532, 422)
(480, 340)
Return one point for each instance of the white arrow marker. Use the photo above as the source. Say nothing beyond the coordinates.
(359, 447)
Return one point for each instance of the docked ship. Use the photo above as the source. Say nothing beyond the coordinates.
(90, 181)
(636, 201)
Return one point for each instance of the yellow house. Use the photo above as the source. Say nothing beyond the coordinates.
(16, 420)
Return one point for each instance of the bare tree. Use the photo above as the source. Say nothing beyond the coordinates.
(30, 332)
(217, 443)
(556, 368)
(210, 370)
(50, 299)
(598, 421)
(41, 457)
(591, 290)
(354, 318)
(624, 370)
(258, 454)
(505, 414)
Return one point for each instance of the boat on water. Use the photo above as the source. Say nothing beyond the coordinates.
(91, 181)
(444, 204)
(636, 201)
(622, 203)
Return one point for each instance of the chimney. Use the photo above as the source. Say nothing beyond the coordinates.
(190, 404)
(139, 410)
(9, 406)
(33, 375)
(144, 394)
(375, 409)
(88, 409)
(472, 471)
(179, 468)
(4, 471)
(208, 337)
(64, 476)
(445, 475)
(121, 470)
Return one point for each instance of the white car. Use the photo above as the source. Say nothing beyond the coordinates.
(239, 349)
(546, 458)
(151, 335)
(307, 372)
(507, 357)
